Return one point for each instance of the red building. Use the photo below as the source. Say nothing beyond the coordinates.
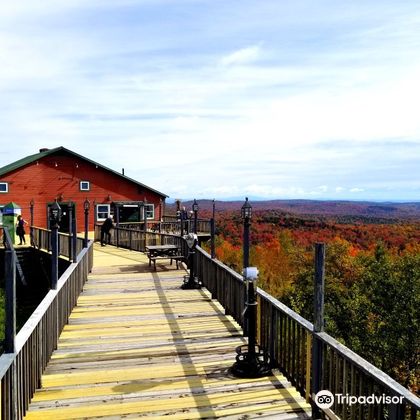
(69, 178)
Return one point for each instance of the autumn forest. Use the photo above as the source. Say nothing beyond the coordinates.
(372, 277)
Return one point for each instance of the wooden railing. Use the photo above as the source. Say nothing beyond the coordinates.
(41, 239)
(20, 372)
(171, 226)
(288, 339)
(138, 240)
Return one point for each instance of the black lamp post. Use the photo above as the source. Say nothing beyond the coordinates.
(31, 204)
(86, 206)
(160, 215)
(189, 224)
(213, 231)
(251, 361)
(31, 229)
(246, 214)
(195, 210)
(55, 217)
(70, 218)
(180, 221)
(191, 281)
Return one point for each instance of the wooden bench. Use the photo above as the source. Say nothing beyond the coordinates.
(176, 258)
(163, 252)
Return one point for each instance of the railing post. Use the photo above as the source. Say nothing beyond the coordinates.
(213, 231)
(213, 239)
(86, 206)
(10, 328)
(71, 257)
(31, 229)
(317, 356)
(54, 256)
(74, 239)
(145, 224)
(117, 233)
(10, 278)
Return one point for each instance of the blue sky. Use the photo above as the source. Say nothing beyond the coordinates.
(209, 98)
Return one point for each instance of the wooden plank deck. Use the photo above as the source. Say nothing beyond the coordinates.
(138, 346)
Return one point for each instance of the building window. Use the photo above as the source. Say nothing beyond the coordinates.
(102, 212)
(4, 187)
(84, 186)
(150, 211)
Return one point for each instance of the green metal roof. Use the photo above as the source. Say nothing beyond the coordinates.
(27, 160)
(62, 150)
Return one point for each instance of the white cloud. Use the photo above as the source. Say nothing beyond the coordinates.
(99, 77)
(243, 56)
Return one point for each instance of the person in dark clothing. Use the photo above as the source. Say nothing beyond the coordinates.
(20, 229)
(107, 225)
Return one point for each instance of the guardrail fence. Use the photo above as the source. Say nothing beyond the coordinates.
(288, 338)
(20, 371)
(41, 239)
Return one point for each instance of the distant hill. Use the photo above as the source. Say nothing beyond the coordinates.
(355, 209)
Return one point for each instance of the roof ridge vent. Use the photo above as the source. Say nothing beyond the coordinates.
(44, 149)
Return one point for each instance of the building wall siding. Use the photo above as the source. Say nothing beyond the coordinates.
(58, 177)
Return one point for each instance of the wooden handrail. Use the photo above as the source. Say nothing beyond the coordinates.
(38, 338)
(288, 339)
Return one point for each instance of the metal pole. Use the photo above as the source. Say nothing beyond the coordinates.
(252, 319)
(54, 255)
(10, 277)
(317, 351)
(195, 221)
(31, 229)
(213, 232)
(246, 242)
(117, 212)
(145, 223)
(85, 242)
(74, 238)
(212, 239)
(10, 327)
(71, 257)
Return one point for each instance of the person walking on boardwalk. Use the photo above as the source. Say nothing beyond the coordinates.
(107, 225)
(20, 229)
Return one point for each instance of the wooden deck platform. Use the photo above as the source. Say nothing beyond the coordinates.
(138, 346)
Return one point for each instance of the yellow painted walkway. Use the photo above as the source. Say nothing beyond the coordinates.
(138, 346)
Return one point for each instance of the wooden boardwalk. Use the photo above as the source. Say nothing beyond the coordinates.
(138, 346)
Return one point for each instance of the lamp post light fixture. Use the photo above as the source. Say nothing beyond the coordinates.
(86, 206)
(191, 281)
(55, 217)
(251, 360)
(195, 209)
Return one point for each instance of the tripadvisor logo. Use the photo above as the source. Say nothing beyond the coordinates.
(325, 399)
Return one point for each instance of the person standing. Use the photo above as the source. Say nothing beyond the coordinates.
(20, 229)
(107, 225)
